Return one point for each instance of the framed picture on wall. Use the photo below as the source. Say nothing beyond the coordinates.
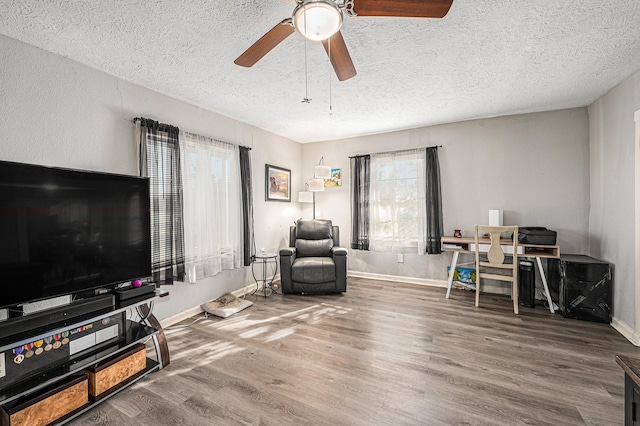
(277, 183)
(335, 179)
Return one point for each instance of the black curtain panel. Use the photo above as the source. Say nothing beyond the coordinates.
(249, 246)
(434, 202)
(160, 161)
(360, 184)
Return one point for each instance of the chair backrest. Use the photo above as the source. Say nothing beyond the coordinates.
(313, 237)
(496, 268)
(496, 254)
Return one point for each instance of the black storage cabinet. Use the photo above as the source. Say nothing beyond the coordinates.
(581, 286)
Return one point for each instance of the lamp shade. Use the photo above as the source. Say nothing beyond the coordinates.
(305, 197)
(322, 172)
(316, 185)
(317, 19)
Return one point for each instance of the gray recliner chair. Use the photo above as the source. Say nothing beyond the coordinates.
(314, 262)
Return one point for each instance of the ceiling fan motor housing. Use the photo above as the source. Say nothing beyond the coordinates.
(317, 19)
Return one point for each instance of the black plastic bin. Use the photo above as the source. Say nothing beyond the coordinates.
(526, 283)
(582, 286)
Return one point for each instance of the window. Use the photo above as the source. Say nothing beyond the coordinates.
(398, 202)
(159, 160)
(212, 206)
(162, 199)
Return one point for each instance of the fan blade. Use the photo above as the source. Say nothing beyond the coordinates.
(339, 56)
(267, 42)
(403, 8)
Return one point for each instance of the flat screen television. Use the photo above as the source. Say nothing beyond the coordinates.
(64, 231)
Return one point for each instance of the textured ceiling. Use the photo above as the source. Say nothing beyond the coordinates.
(485, 58)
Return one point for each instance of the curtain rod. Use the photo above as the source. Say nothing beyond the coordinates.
(243, 146)
(400, 150)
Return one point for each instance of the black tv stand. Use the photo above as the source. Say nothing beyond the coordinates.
(60, 316)
(46, 385)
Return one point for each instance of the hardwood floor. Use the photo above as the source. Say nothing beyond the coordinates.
(381, 354)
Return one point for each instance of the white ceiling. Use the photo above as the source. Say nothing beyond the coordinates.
(485, 58)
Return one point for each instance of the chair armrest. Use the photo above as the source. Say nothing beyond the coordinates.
(338, 251)
(287, 257)
(288, 251)
(339, 255)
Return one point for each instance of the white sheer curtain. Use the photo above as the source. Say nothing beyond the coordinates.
(398, 202)
(212, 206)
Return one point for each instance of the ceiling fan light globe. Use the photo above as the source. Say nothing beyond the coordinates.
(317, 20)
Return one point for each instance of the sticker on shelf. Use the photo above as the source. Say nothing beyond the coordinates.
(82, 343)
(3, 370)
(106, 334)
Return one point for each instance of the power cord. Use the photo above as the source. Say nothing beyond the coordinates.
(178, 326)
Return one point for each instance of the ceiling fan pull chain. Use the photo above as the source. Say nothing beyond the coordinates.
(306, 99)
(330, 98)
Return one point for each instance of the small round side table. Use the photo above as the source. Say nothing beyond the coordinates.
(264, 286)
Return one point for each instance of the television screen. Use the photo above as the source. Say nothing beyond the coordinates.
(66, 231)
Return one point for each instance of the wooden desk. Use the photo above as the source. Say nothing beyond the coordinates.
(467, 245)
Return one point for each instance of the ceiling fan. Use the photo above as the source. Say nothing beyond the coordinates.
(321, 20)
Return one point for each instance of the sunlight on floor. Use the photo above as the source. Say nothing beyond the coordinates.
(205, 354)
(280, 334)
(254, 332)
(267, 330)
(312, 314)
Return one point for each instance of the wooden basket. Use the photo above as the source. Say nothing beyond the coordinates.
(115, 370)
(48, 406)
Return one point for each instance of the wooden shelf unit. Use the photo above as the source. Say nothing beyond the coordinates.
(465, 245)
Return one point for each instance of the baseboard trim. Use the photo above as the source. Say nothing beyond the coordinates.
(244, 290)
(398, 278)
(627, 331)
(492, 289)
(167, 322)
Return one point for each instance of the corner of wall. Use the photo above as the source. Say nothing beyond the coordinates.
(626, 330)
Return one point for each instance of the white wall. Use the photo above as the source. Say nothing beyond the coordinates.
(57, 112)
(535, 167)
(613, 223)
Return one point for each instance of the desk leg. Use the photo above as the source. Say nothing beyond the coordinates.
(452, 269)
(544, 283)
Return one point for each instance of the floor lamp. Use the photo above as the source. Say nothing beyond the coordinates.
(309, 196)
(320, 172)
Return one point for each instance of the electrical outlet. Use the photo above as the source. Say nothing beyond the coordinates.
(400, 258)
(3, 371)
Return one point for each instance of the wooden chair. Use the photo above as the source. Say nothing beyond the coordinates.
(496, 268)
